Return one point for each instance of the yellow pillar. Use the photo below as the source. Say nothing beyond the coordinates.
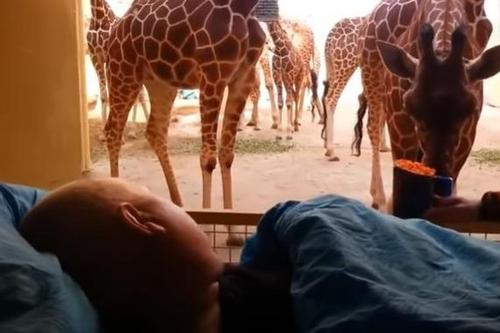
(43, 123)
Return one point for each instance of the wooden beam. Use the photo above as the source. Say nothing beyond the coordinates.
(225, 217)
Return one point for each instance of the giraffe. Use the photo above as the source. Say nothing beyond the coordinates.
(302, 37)
(342, 56)
(99, 27)
(171, 44)
(288, 71)
(423, 62)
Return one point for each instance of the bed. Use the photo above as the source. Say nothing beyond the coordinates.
(36, 296)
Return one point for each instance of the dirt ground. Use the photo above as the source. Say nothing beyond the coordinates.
(266, 172)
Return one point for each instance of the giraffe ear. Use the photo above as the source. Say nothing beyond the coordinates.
(487, 65)
(397, 60)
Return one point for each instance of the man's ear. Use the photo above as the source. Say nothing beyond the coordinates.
(138, 221)
(397, 60)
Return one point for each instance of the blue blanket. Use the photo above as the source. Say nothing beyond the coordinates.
(355, 270)
(35, 294)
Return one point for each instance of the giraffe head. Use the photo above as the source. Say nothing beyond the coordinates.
(442, 98)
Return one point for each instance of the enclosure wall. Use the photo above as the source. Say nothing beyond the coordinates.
(43, 128)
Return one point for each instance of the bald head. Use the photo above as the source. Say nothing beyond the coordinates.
(135, 254)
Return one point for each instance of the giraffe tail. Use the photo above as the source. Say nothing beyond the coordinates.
(314, 90)
(358, 128)
(326, 84)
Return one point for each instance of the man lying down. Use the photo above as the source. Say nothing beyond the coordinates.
(325, 265)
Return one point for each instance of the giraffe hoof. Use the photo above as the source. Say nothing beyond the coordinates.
(256, 128)
(240, 129)
(235, 240)
(251, 124)
(275, 126)
(175, 120)
(329, 153)
(289, 137)
(375, 206)
(333, 159)
(279, 138)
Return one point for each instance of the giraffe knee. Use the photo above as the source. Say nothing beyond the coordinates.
(154, 137)
(226, 159)
(208, 164)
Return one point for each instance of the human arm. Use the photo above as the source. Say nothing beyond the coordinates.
(457, 209)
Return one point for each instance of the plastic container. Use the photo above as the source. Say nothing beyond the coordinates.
(443, 186)
(412, 193)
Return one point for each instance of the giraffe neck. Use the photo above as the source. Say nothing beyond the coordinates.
(282, 44)
(445, 16)
(101, 11)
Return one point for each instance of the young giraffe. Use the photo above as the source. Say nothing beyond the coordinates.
(342, 56)
(413, 69)
(302, 38)
(171, 44)
(101, 22)
(288, 71)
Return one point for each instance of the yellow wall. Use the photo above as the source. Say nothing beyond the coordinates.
(43, 128)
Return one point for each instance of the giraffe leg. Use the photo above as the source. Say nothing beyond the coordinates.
(132, 134)
(162, 97)
(99, 66)
(144, 105)
(255, 97)
(290, 104)
(375, 110)
(384, 147)
(335, 86)
(300, 105)
(377, 186)
(255, 113)
(241, 122)
(210, 106)
(279, 90)
(238, 94)
(113, 131)
(315, 101)
(277, 109)
(274, 107)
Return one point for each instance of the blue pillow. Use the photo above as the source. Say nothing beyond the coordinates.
(35, 294)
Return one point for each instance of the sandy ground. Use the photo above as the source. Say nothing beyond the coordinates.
(261, 180)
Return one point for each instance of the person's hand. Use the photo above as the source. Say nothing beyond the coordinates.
(453, 209)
